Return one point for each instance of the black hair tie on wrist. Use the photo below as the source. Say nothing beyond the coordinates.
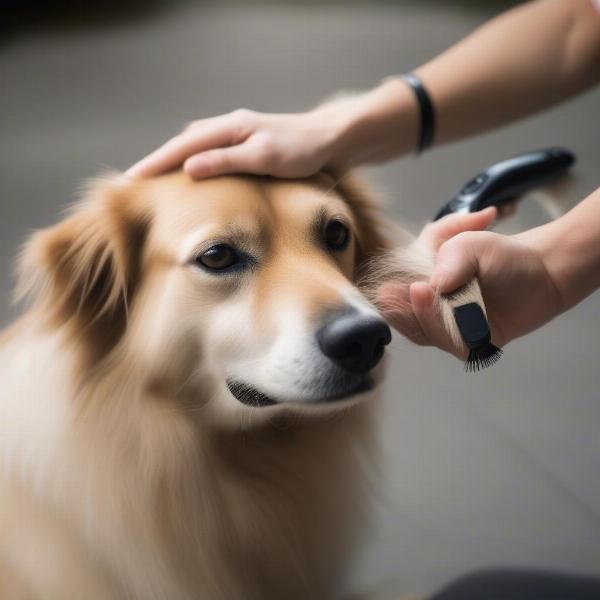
(426, 110)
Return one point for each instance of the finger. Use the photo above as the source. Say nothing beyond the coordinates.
(174, 152)
(426, 311)
(457, 261)
(196, 123)
(244, 158)
(436, 233)
(394, 302)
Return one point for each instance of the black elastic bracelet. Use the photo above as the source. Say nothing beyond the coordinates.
(426, 109)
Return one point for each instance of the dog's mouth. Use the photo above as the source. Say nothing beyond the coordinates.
(250, 396)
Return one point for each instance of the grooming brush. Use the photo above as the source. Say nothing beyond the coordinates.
(503, 182)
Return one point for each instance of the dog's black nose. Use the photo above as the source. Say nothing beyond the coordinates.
(354, 341)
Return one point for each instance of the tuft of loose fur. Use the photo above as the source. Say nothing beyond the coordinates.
(410, 262)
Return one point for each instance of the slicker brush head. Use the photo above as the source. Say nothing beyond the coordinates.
(475, 331)
(482, 357)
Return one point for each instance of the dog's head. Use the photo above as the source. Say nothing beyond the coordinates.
(236, 293)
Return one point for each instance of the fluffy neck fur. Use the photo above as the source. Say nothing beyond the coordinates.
(153, 503)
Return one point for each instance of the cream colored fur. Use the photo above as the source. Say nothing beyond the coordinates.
(127, 469)
(411, 261)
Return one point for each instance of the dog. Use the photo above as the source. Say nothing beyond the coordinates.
(188, 401)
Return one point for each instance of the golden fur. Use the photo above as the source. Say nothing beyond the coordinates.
(122, 477)
(127, 468)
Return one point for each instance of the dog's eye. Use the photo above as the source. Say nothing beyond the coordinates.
(219, 257)
(337, 236)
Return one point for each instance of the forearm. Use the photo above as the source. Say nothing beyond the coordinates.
(375, 126)
(570, 249)
(523, 61)
(520, 62)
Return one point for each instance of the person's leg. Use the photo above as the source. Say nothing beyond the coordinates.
(506, 584)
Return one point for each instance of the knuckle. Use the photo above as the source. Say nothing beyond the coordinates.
(241, 124)
(243, 114)
(467, 245)
(184, 137)
(465, 239)
(455, 245)
(173, 144)
(462, 237)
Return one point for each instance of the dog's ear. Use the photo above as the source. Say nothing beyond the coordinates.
(372, 234)
(83, 272)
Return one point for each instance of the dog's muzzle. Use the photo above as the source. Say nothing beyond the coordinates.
(354, 341)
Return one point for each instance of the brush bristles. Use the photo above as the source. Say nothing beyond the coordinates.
(482, 357)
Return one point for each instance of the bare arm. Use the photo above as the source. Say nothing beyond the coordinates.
(526, 279)
(571, 250)
(521, 62)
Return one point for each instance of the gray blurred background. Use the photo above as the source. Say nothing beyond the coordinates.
(498, 468)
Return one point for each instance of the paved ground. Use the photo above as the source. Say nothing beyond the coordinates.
(499, 468)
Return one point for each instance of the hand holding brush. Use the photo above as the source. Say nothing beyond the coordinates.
(526, 279)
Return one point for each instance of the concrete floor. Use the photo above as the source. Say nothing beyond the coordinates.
(499, 468)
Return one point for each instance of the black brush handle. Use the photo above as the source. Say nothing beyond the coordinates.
(508, 180)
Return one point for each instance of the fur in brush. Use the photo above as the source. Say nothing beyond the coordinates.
(463, 312)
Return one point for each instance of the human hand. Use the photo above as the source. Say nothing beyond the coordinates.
(244, 141)
(519, 292)
(344, 132)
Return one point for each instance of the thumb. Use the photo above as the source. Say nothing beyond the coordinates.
(457, 261)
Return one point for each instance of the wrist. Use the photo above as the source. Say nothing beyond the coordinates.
(569, 250)
(543, 241)
(377, 125)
